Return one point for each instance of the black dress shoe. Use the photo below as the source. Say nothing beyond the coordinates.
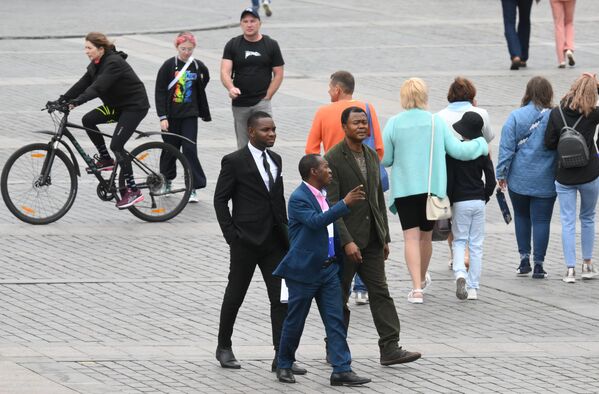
(294, 368)
(285, 375)
(347, 379)
(227, 358)
(398, 356)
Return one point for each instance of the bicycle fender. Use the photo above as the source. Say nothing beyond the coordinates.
(149, 133)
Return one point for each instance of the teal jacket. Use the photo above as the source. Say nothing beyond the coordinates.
(407, 138)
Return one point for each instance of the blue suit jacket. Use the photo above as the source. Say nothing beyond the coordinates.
(308, 236)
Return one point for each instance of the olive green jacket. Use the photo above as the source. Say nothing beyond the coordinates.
(365, 215)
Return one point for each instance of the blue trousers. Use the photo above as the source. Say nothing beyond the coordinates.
(532, 217)
(589, 192)
(517, 40)
(326, 290)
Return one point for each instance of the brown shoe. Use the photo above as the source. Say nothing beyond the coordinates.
(398, 356)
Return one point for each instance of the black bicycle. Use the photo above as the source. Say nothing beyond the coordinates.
(39, 181)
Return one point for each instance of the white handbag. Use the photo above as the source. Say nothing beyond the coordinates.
(436, 208)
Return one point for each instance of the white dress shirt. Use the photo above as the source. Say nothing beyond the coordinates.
(257, 154)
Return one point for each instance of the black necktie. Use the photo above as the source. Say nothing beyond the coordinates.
(271, 181)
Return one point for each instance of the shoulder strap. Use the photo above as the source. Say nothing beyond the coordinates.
(564, 119)
(176, 78)
(370, 140)
(430, 164)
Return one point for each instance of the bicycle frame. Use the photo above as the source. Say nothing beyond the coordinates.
(63, 131)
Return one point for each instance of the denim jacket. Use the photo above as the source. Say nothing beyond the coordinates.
(523, 161)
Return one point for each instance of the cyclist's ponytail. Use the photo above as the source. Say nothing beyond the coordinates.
(99, 40)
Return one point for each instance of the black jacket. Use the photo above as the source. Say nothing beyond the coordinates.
(256, 211)
(586, 127)
(114, 82)
(464, 182)
(198, 107)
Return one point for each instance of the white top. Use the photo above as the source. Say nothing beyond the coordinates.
(454, 112)
(257, 155)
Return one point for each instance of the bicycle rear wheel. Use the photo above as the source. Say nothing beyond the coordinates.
(24, 194)
(166, 190)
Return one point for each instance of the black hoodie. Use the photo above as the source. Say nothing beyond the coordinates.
(113, 81)
(586, 127)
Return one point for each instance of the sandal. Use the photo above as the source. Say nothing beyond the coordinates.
(416, 296)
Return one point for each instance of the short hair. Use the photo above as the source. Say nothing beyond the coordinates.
(349, 110)
(413, 94)
(461, 89)
(582, 96)
(99, 40)
(539, 92)
(185, 36)
(307, 163)
(344, 80)
(253, 119)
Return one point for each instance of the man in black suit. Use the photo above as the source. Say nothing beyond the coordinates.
(256, 231)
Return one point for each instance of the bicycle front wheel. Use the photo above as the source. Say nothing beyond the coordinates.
(162, 174)
(28, 197)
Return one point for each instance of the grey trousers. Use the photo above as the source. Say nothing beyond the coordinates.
(240, 117)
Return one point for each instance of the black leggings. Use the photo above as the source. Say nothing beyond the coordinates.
(127, 122)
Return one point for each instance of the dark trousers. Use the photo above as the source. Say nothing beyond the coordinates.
(326, 291)
(517, 40)
(532, 217)
(186, 127)
(244, 259)
(127, 122)
(382, 307)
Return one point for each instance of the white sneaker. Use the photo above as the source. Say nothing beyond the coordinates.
(427, 282)
(472, 294)
(361, 298)
(413, 299)
(570, 276)
(193, 197)
(450, 264)
(460, 288)
(267, 9)
(588, 271)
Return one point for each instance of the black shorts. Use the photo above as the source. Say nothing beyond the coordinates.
(412, 212)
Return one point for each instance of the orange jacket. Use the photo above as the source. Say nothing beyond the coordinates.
(326, 127)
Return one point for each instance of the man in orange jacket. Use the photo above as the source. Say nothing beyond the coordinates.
(326, 126)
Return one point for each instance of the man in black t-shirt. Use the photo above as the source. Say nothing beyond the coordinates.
(252, 71)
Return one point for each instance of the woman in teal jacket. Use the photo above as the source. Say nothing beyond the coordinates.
(407, 141)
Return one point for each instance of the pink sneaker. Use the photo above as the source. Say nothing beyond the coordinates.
(129, 198)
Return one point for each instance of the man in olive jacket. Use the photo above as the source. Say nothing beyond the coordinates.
(364, 232)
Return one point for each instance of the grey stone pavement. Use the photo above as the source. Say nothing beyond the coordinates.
(100, 302)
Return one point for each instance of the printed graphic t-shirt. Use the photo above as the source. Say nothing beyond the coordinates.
(184, 101)
(252, 67)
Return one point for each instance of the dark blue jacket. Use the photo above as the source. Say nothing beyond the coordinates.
(308, 236)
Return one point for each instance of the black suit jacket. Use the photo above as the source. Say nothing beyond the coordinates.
(256, 211)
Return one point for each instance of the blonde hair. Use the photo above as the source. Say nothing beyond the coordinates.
(413, 94)
(582, 96)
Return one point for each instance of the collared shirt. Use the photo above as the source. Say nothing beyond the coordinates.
(257, 155)
(321, 197)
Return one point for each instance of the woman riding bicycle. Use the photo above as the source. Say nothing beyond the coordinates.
(110, 78)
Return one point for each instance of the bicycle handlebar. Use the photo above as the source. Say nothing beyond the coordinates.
(52, 106)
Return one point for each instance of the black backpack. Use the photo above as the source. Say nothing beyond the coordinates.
(572, 148)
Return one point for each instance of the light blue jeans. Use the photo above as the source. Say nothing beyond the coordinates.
(566, 195)
(468, 226)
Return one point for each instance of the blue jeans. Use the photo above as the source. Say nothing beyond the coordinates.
(517, 40)
(359, 284)
(567, 207)
(326, 290)
(468, 226)
(532, 217)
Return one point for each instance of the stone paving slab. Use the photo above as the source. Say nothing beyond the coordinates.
(101, 302)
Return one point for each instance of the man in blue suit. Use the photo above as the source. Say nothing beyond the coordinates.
(311, 271)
